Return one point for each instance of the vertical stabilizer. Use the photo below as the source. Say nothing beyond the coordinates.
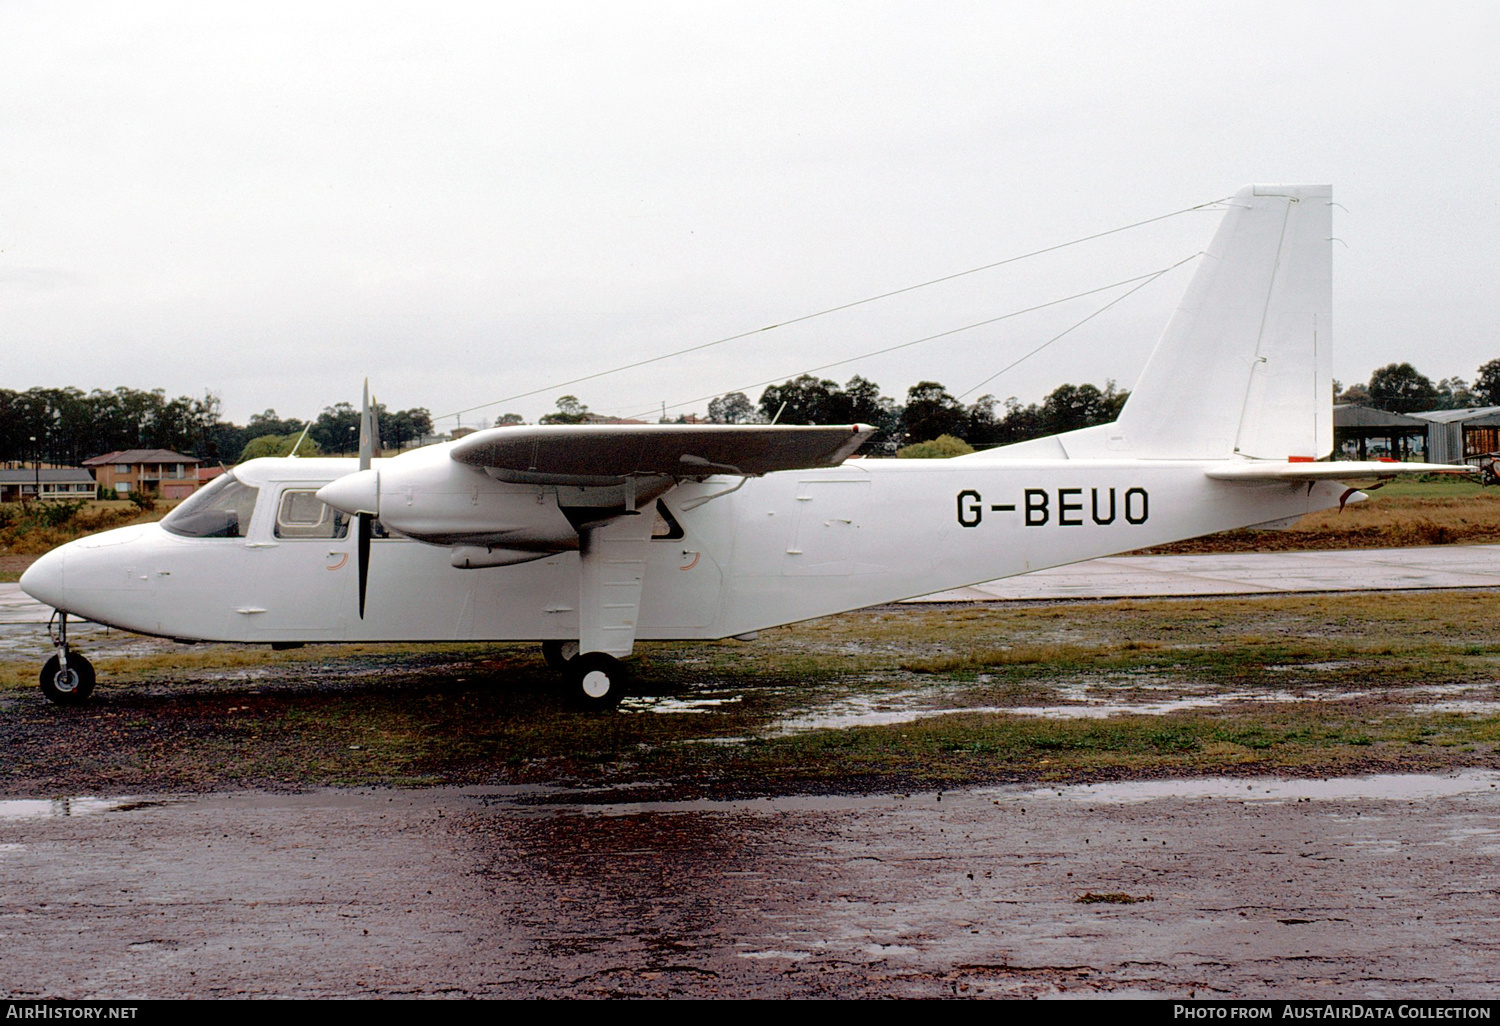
(1245, 364)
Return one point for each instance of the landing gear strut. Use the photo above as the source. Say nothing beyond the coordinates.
(559, 653)
(67, 678)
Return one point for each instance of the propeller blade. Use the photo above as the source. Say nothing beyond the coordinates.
(366, 523)
(366, 431)
(368, 441)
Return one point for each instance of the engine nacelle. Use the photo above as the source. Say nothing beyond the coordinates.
(426, 495)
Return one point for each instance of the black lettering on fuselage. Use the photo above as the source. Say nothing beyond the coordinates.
(1036, 507)
(1097, 518)
(973, 513)
(1103, 507)
(1064, 507)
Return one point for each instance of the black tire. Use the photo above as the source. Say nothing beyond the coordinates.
(559, 653)
(597, 681)
(72, 687)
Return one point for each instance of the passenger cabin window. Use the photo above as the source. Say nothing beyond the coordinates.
(302, 514)
(221, 510)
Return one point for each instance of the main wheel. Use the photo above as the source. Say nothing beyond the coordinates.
(598, 681)
(559, 653)
(71, 686)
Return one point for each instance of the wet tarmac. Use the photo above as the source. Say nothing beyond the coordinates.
(1248, 573)
(1380, 887)
(1383, 887)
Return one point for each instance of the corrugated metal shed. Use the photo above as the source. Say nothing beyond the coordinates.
(1456, 435)
(1365, 416)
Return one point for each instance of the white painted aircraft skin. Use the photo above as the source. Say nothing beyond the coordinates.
(553, 525)
(787, 547)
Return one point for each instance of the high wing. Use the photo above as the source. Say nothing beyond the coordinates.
(605, 454)
(1254, 470)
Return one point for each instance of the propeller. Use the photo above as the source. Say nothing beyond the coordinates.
(369, 435)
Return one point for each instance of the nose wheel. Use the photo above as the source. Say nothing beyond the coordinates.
(69, 684)
(67, 678)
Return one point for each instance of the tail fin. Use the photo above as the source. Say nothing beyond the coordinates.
(1245, 364)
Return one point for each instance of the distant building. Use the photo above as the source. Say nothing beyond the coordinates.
(599, 418)
(167, 474)
(1456, 436)
(57, 483)
(1363, 433)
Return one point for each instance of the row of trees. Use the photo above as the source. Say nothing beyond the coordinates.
(65, 426)
(1401, 388)
(928, 413)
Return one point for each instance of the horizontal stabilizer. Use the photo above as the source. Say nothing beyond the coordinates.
(591, 453)
(1341, 471)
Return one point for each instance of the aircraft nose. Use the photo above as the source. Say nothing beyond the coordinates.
(355, 493)
(43, 580)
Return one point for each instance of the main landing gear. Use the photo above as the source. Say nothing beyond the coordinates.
(594, 680)
(613, 543)
(559, 654)
(67, 678)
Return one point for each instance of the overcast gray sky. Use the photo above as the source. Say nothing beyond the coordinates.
(465, 202)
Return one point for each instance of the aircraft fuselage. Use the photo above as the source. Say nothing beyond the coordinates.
(782, 548)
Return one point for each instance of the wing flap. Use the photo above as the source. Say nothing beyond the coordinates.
(595, 453)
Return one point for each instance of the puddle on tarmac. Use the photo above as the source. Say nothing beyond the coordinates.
(1086, 699)
(49, 808)
(795, 956)
(872, 711)
(1100, 700)
(30, 641)
(1092, 708)
(1478, 708)
(675, 704)
(1413, 787)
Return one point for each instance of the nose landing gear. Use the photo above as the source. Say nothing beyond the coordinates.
(67, 678)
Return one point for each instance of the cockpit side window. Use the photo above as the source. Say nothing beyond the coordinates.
(221, 510)
(301, 514)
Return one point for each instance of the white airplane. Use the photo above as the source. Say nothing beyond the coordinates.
(591, 538)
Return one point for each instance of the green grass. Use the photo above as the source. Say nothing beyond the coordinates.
(1336, 682)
